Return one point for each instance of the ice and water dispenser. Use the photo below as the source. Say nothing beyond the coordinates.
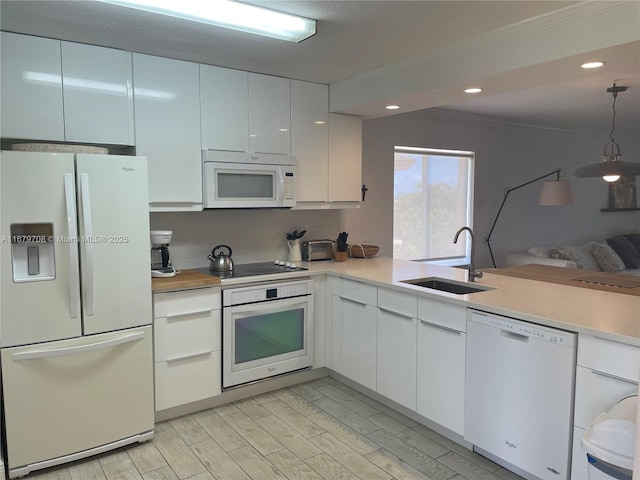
(32, 252)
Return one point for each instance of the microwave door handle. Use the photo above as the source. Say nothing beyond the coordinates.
(281, 191)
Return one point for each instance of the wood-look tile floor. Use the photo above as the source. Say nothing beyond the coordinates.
(313, 431)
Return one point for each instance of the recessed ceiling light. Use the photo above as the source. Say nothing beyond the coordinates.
(319, 122)
(472, 90)
(592, 65)
(230, 14)
(392, 107)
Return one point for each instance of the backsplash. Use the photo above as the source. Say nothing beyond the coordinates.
(253, 235)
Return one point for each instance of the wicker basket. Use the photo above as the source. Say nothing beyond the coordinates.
(363, 250)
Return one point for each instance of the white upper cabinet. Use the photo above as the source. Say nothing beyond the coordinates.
(31, 88)
(62, 91)
(269, 114)
(224, 96)
(345, 158)
(167, 106)
(98, 94)
(310, 139)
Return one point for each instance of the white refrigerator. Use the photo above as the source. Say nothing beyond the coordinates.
(75, 306)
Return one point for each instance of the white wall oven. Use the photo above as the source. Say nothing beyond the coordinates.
(267, 330)
(248, 180)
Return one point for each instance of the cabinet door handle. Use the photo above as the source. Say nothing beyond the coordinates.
(615, 377)
(397, 314)
(441, 327)
(186, 314)
(357, 302)
(188, 356)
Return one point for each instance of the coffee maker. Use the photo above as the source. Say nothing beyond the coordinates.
(160, 262)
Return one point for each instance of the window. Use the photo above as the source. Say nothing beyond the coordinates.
(433, 198)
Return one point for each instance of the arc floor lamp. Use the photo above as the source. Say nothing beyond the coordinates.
(554, 193)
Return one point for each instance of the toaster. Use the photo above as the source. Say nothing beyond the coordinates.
(313, 250)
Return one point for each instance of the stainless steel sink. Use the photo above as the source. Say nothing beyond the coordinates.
(450, 286)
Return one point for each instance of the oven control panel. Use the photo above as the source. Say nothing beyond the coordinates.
(266, 292)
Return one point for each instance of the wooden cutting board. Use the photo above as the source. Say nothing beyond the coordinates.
(608, 282)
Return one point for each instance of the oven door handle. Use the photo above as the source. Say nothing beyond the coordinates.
(273, 306)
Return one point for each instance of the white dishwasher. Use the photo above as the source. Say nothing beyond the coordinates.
(519, 394)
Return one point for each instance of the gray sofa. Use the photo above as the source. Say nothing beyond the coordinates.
(620, 254)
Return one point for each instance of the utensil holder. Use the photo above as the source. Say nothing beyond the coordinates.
(340, 256)
(295, 254)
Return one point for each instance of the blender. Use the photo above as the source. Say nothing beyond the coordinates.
(160, 262)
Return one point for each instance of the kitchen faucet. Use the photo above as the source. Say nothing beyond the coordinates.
(471, 269)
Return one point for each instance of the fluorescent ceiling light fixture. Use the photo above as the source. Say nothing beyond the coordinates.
(472, 90)
(230, 14)
(589, 65)
(392, 107)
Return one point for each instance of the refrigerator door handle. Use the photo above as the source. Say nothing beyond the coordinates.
(72, 231)
(57, 352)
(87, 243)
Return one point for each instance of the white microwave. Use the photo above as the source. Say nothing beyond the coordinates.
(248, 180)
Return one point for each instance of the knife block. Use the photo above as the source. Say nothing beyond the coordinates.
(340, 256)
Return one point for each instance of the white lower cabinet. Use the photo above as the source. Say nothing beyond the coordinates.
(354, 331)
(607, 372)
(187, 346)
(441, 363)
(396, 346)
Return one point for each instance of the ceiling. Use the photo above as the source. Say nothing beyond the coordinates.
(374, 48)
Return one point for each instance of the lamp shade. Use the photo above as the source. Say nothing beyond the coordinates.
(556, 193)
(608, 168)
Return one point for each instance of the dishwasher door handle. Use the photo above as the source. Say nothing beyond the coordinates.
(514, 336)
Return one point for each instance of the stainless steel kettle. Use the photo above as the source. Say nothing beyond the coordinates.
(220, 262)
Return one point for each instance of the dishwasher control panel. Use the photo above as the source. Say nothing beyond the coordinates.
(524, 329)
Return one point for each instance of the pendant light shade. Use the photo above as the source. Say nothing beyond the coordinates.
(612, 167)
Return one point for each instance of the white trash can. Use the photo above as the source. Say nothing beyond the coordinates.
(610, 442)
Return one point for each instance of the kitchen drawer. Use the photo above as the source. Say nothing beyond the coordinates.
(356, 291)
(186, 302)
(610, 357)
(398, 302)
(442, 314)
(186, 334)
(189, 380)
(597, 393)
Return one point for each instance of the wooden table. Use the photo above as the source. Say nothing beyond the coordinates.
(608, 282)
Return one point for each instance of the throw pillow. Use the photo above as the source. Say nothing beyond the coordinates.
(625, 250)
(580, 254)
(635, 239)
(541, 252)
(583, 252)
(607, 258)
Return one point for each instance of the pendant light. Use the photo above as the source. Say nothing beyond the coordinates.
(611, 168)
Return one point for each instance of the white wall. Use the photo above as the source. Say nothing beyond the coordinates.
(506, 156)
(253, 235)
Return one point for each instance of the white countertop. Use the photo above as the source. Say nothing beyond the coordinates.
(608, 315)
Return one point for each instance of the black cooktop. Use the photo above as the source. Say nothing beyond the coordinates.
(252, 269)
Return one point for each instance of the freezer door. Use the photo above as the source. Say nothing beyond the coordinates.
(38, 188)
(65, 397)
(113, 217)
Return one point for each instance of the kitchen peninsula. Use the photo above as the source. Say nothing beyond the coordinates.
(406, 346)
(603, 314)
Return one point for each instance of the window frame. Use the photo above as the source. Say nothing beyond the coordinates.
(448, 261)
